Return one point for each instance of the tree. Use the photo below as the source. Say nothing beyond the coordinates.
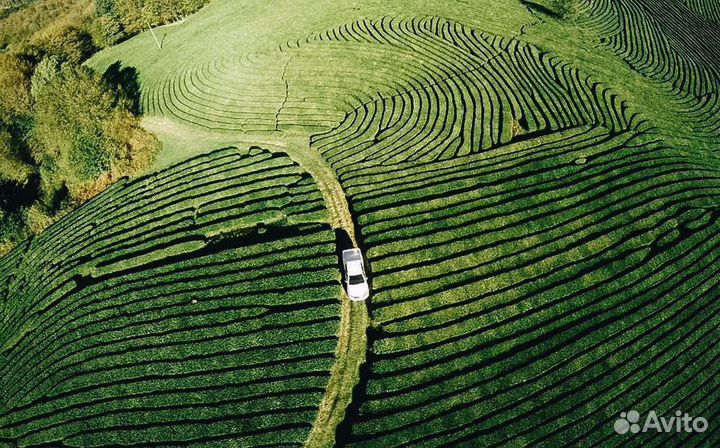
(105, 7)
(12, 230)
(136, 15)
(66, 42)
(106, 30)
(85, 135)
(12, 166)
(15, 73)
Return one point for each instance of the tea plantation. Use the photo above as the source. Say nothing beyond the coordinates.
(196, 304)
(535, 186)
(526, 291)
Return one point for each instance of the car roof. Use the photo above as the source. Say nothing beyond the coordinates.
(354, 267)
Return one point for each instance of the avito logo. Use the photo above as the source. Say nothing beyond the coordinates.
(680, 422)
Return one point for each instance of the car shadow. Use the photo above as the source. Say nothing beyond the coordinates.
(342, 242)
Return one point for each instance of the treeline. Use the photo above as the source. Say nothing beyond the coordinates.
(36, 24)
(66, 132)
(120, 18)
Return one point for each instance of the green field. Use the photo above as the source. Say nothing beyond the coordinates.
(535, 185)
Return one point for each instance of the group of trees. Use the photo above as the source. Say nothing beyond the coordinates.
(83, 26)
(120, 18)
(66, 132)
(43, 27)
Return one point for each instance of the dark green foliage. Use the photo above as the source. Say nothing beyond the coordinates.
(12, 226)
(124, 81)
(552, 8)
(14, 166)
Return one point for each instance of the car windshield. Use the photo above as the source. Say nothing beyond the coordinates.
(356, 279)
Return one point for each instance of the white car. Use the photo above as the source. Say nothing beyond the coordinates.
(355, 278)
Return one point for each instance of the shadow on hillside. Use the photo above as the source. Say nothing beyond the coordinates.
(542, 9)
(124, 81)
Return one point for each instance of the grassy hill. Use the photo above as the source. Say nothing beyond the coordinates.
(536, 186)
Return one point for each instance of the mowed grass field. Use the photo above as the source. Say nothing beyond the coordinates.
(537, 196)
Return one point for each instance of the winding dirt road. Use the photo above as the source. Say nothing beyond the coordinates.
(354, 321)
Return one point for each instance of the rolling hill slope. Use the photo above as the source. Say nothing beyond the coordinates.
(198, 304)
(538, 282)
(537, 192)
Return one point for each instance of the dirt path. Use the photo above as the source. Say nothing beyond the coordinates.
(354, 320)
(345, 374)
(297, 148)
(337, 205)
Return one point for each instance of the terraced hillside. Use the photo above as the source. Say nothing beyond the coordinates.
(196, 304)
(536, 189)
(528, 285)
(526, 282)
(677, 48)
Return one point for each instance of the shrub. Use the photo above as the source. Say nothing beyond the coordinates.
(12, 229)
(12, 167)
(15, 73)
(37, 219)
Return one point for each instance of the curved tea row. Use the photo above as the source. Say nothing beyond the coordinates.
(706, 8)
(484, 92)
(542, 259)
(547, 285)
(429, 68)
